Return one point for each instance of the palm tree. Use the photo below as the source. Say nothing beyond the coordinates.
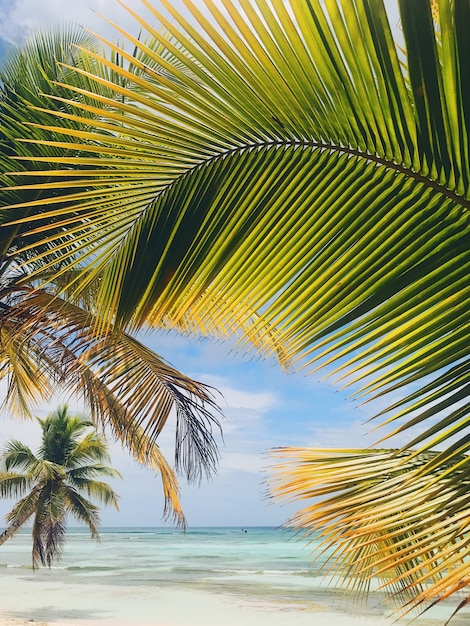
(48, 341)
(287, 173)
(53, 481)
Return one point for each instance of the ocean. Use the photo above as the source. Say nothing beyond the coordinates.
(167, 577)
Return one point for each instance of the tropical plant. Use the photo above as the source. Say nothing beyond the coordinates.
(52, 482)
(287, 173)
(48, 341)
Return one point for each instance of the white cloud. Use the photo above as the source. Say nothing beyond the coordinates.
(28, 15)
(259, 401)
(241, 462)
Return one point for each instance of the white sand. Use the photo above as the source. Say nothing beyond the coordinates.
(28, 599)
(192, 609)
(134, 606)
(20, 622)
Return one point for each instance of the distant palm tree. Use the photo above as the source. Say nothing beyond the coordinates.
(52, 482)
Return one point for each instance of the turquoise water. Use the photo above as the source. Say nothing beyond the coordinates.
(254, 561)
(267, 567)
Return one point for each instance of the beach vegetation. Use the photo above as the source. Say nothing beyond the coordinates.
(56, 483)
(50, 338)
(289, 174)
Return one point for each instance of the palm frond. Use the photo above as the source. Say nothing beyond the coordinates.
(24, 508)
(86, 472)
(98, 490)
(12, 485)
(85, 511)
(107, 366)
(381, 514)
(16, 455)
(49, 525)
(90, 448)
(171, 488)
(301, 173)
(26, 380)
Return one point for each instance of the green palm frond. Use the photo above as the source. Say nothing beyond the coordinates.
(60, 433)
(24, 508)
(85, 511)
(295, 168)
(45, 470)
(12, 485)
(49, 525)
(87, 472)
(17, 455)
(98, 490)
(26, 76)
(91, 448)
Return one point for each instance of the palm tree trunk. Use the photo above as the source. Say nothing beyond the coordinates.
(12, 528)
(19, 521)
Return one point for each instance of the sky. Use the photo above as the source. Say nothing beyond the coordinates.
(263, 407)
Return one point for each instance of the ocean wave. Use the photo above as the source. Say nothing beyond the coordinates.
(239, 571)
(92, 568)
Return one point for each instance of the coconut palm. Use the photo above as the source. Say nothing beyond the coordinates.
(48, 341)
(286, 173)
(53, 482)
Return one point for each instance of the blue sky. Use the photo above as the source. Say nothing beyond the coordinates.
(263, 406)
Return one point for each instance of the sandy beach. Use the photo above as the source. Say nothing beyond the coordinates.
(136, 607)
(19, 622)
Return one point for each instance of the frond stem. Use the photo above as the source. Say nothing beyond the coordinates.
(280, 143)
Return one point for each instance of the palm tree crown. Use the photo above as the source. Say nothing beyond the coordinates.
(52, 482)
